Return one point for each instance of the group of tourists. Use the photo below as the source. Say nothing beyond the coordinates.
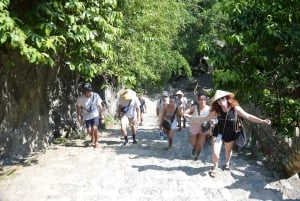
(130, 111)
(216, 119)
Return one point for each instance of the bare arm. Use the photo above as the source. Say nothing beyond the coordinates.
(188, 111)
(210, 116)
(138, 113)
(119, 110)
(162, 118)
(101, 113)
(78, 111)
(251, 117)
(157, 109)
(145, 106)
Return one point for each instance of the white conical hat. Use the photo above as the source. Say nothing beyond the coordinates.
(127, 94)
(220, 94)
(179, 92)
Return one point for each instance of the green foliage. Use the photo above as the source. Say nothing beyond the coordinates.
(147, 53)
(256, 55)
(93, 37)
(14, 37)
(76, 34)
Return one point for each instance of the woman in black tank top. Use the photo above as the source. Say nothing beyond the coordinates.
(224, 107)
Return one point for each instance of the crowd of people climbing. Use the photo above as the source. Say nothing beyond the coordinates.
(213, 121)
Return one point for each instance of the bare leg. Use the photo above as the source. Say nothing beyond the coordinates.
(134, 130)
(199, 144)
(179, 123)
(193, 140)
(228, 152)
(184, 122)
(216, 149)
(90, 132)
(170, 134)
(95, 136)
(124, 121)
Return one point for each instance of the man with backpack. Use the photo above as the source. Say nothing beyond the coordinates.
(161, 103)
(129, 113)
(89, 111)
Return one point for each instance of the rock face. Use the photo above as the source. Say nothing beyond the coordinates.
(36, 105)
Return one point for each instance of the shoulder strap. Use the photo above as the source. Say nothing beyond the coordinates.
(174, 114)
(129, 102)
(198, 109)
(92, 103)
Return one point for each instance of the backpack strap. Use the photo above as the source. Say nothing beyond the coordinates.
(198, 109)
(92, 103)
(129, 102)
(173, 117)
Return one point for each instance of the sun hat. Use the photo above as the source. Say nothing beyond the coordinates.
(220, 94)
(165, 93)
(128, 94)
(179, 92)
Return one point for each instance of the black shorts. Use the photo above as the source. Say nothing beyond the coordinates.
(226, 137)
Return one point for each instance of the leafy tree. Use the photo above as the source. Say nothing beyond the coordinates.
(75, 34)
(93, 38)
(147, 53)
(257, 55)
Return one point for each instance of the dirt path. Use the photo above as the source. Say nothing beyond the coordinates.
(145, 171)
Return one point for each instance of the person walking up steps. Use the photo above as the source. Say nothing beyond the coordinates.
(143, 108)
(225, 108)
(160, 104)
(198, 135)
(128, 113)
(182, 102)
(89, 110)
(169, 119)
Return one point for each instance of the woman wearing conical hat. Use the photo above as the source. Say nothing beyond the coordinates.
(223, 108)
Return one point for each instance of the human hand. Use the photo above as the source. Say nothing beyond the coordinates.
(80, 121)
(188, 116)
(267, 121)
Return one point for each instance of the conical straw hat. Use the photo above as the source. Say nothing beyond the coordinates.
(179, 92)
(128, 94)
(221, 94)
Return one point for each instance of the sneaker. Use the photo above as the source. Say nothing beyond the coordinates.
(134, 141)
(124, 144)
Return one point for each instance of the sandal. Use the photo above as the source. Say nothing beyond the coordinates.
(226, 167)
(213, 172)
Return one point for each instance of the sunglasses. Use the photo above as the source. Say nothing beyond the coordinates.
(221, 98)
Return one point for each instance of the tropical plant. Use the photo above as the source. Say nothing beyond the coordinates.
(147, 55)
(256, 55)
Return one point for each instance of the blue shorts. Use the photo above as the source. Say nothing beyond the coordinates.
(92, 122)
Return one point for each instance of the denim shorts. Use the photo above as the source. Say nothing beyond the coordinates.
(92, 122)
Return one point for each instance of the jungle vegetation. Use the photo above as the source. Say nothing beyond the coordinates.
(252, 44)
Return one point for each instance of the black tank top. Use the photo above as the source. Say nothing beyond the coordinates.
(229, 122)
